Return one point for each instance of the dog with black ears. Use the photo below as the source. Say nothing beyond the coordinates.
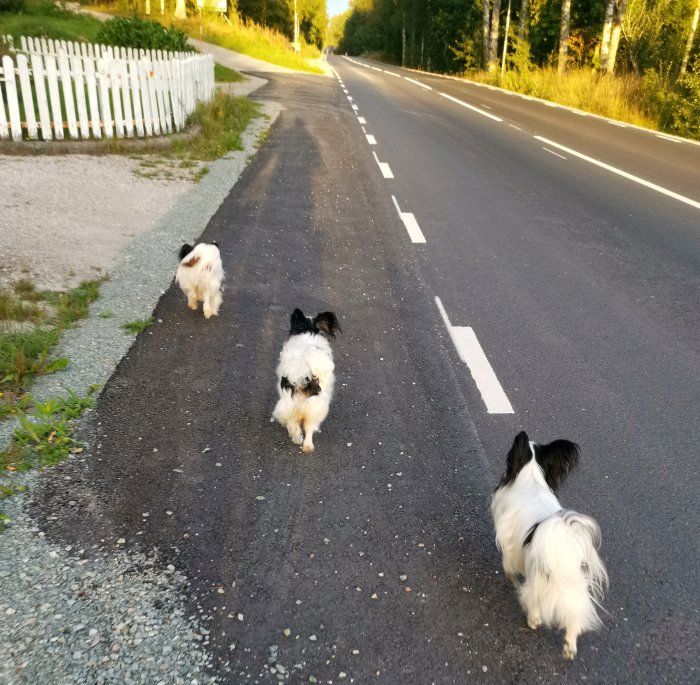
(200, 275)
(305, 376)
(549, 553)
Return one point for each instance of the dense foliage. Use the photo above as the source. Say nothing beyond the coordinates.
(279, 15)
(133, 32)
(653, 41)
(12, 5)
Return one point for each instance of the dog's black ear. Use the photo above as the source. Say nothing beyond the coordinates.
(327, 322)
(299, 323)
(185, 250)
(519, 455)
(557, 460)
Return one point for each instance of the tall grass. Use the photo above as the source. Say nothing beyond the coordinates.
(42, 18)
(240, 35)
(615, 97)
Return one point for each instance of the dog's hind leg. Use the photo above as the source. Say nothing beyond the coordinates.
(212, 302)
(573, 630)
(192, 301)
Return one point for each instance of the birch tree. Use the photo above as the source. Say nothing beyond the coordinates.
(491, 16)
(523, 20)
(180, 11)
(615, 36)
(564, 35)
(607, 32)
(691, 38)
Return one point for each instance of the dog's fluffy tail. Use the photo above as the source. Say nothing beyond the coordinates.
(563, 561)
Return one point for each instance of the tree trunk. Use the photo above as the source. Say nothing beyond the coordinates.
(615, 37)
(564, 35)
(493, 36)
(607, 31)
(691, 38)
(180, 11)
(486, 30)
(523, 22)
(403, 39)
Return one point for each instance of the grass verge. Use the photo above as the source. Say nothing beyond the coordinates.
(45, 435)
(29, 333)
(43, 18)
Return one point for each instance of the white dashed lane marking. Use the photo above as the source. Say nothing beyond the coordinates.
(384, 167)
(409, 221)
(472, 354)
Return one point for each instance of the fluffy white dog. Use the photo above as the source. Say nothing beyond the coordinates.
(549, 553)
(305, 376)
(201, 276)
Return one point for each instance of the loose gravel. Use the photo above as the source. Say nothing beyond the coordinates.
(91, 616)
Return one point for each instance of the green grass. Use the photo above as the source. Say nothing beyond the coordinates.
(223, 74)
(45, 434)
(42, 18)
(242, 36)
(26, 354)
(137, 326)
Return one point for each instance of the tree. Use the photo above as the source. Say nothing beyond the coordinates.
(607, 32)
(180, 11)
(615, 36)
(564, 35)
(691, 38)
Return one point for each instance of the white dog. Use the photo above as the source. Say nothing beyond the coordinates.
(201, 276)
(305, 376)
(549, 553)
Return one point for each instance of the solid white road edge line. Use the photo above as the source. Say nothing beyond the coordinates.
(384, 167)
(472, 354)
(409, 221)
(624, 174)
(418, 83)
(551, 152)
(468, 106)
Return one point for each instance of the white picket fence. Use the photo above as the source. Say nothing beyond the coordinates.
(64, 89)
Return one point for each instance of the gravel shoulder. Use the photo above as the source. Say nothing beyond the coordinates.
(99, 615)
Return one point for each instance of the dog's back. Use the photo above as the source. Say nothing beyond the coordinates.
(200, 275)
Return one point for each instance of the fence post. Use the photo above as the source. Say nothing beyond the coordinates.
(27, 96)
(8, 68)
(68, 98)
(116, 99)
(91, 83)
(4, 130)
(136, 96)
(126, 98)
(76, 63)
(102, 76)
(42, 100)
(145, 97)
(56, 113)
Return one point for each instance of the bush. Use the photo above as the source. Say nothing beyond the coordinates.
(685, 105)
(143, 34)
(12, 5)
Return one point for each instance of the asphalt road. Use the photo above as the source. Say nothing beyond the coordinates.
(373, 560)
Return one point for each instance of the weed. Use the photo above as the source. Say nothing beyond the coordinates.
(106, 314)
(223, 74)
(137, 326)
(14, 309)
(45, 434)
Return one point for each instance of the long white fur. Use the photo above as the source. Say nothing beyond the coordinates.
(564, 578)
(203, 281)
(304, 356)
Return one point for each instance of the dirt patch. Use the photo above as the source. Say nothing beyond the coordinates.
(66, 219)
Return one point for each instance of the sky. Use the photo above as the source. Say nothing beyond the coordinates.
(334, 7)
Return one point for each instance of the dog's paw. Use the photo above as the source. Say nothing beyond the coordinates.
(297, 438)
(534, 622)
(308, 449)
(568, 652)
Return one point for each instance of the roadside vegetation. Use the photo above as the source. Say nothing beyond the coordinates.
(31, 324)
(636, 61)
(264, 34)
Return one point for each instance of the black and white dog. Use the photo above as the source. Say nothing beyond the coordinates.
(549, 553)
(200, 275)
(305, 376)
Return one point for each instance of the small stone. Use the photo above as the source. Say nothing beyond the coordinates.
(313, 638)
(286, 632)
(403, 577)
(240, 617)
